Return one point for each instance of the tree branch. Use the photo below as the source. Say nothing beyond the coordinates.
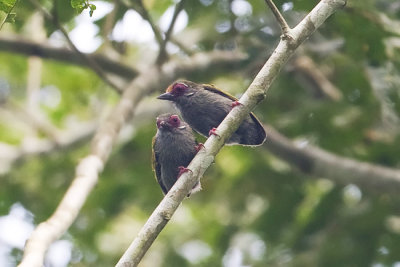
(92, 64)
(34, 146)
(253, 95)
(162, 55)
(306, 66)
(320, 163)
(30, 48)
(89, 167)
(281, 20)
(139, 7)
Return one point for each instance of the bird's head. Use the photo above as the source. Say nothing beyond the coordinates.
(176, 90)
(169, 122)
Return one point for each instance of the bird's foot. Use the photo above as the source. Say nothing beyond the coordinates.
(198, 147)
(182, 170)
(235, 104)
(213, 131)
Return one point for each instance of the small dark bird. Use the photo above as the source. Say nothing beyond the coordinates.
(174, 147)
(204, 107)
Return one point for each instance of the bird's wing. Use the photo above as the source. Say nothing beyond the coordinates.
(214, 89)
(156, 165)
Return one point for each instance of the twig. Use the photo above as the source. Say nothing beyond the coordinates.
(10, 155)
(8, 14)
(141, 9)
(162, 55)
(45, 51)
(33, 118)
(253, 96)
(306, 66)
(320, 163)
(89, 168)
(281, 20)
(92, 64)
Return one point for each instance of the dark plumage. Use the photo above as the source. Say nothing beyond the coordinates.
(174, 147)
(204, 107)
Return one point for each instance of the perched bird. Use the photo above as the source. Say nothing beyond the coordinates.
(204, 107)
(174, 147)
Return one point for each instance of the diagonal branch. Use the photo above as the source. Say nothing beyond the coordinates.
(139, 7)
(281, 20)
(162, 56)
(89, 168)
(77, 134)
(308, 68)
(251, 98)
(92, 64)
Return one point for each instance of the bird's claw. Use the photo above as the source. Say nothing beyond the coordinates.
(182, 170)
(213, 131)
(198, 147)
(235, 104)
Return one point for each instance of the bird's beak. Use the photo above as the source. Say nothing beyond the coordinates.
(166, 96)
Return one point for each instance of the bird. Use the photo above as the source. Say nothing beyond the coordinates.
(174, 146)
(204, 106)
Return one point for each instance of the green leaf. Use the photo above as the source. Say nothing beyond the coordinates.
(78, 4)
(7, 5)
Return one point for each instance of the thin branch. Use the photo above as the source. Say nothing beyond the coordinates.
(320, 163)
(8, 14)
(31, 48)
(109, 23)
(141, 9)
(89, 167)
(32, 117)
(307, 66)
(251, 98)
(10, 154)
(91, 63)
(281, 20)
(162, 55)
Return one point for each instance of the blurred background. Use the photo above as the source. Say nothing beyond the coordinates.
(340, 92)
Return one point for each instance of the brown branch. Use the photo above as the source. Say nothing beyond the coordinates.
(10, 154)
(306, 66)
(281, 20)
(89, 167)
(32, 117)
(26, 47)
(162, 55)
(91, 63)
(320, 163)
(139, 7)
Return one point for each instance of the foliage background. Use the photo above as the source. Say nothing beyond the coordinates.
(255, 209)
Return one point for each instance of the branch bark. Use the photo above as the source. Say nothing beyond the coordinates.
(162, 55)
(320, 163)
(89, 168)
(30, 48)
(281, 20)
(253, 96)
(92, 64)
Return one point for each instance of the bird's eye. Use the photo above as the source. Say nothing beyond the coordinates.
(174, 118)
